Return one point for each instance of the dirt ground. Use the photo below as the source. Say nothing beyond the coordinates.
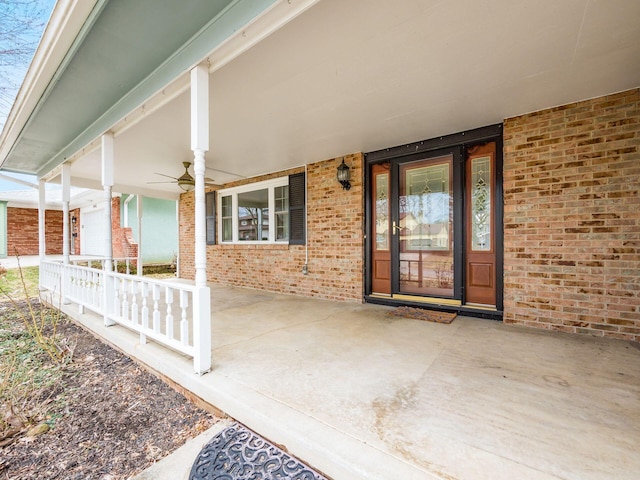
(110, 419)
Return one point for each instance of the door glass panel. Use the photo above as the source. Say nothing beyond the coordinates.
(426, 227)
(382, 211)
(481, 204)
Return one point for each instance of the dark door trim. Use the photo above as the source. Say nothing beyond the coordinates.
(457, 143)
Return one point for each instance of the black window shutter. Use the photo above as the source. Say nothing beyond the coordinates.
(211, 217)
(297, 223)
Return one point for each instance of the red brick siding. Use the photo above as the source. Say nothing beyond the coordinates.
(22, 231)
(334, 234)
(123, 243)
(572, 217)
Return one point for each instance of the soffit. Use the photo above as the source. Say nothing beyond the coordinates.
(130, 50)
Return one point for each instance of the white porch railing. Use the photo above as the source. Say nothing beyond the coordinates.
(175, 315)
(117, 263)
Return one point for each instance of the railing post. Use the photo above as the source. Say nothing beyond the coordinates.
(108, 293)
(202, 330)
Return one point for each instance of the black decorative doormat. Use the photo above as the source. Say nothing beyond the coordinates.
(422, 314)
(237, 453)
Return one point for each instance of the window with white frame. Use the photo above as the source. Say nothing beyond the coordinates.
(255, 213)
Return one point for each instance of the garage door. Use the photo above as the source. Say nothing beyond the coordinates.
(93, 233)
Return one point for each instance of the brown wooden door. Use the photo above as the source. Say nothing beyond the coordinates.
(381, 242)
(480, 265)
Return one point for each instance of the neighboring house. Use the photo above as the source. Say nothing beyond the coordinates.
(509, 134)
(19, 224)
(19, 234)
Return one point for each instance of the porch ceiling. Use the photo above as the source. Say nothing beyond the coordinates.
(347, 76)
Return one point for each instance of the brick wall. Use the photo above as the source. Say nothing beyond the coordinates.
(334, 235)
(122, 241)
(572, 217)
(22, 231)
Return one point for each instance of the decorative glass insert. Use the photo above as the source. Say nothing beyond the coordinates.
(282, 212)
(227, 218)
(426, 210)
(481, 204)
(382, 211)
(253, 215)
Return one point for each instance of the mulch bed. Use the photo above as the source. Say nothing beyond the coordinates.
(422, 314)
(113, 419)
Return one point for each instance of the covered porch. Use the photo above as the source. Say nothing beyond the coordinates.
(360, 394)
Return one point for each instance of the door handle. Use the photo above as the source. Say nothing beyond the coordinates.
(394, 227)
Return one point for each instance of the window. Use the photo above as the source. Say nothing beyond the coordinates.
(263, 212)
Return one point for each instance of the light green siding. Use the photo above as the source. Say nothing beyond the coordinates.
(159, 228)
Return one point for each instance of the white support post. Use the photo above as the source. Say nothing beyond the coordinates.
(199, 145)
(107, 184)
(202, 330)
(139, 216)
(42, 206)
(66, 197)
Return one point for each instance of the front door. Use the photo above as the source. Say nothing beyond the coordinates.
(433, 227)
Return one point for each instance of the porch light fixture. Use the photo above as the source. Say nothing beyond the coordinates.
(186, 181)
(344, 175)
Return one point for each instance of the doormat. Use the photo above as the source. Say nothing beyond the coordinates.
(237, 453)
(422, 314)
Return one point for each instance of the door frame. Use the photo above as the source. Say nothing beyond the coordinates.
(458, 142)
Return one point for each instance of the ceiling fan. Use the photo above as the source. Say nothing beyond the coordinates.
(186, 182)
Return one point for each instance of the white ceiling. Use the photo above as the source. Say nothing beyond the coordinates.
(349, 76)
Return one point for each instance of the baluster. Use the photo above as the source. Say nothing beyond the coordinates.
(144, 290)
(96, 289)
(134, 302)
(184, 323)
(116, 293)
(169, 319)
(156, 309)
(125, 299)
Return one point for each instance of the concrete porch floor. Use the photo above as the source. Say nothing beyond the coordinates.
(358, 394)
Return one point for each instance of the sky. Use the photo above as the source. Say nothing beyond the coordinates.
(18, 13)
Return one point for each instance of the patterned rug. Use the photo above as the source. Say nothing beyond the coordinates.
(237, 453)
(422, 314)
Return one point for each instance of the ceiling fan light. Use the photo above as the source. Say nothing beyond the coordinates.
(186, 185)
(186, 182)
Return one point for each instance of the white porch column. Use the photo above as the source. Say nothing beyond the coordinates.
(199, 145)
(42, 207)
(66, 197)
(139, 217)
(108, 290)
(107, 185)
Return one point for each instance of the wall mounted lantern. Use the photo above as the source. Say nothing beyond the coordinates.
(344, 175)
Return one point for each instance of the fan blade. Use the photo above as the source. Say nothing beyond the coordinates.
(223, 171)
(163, 175)
(149, 183)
